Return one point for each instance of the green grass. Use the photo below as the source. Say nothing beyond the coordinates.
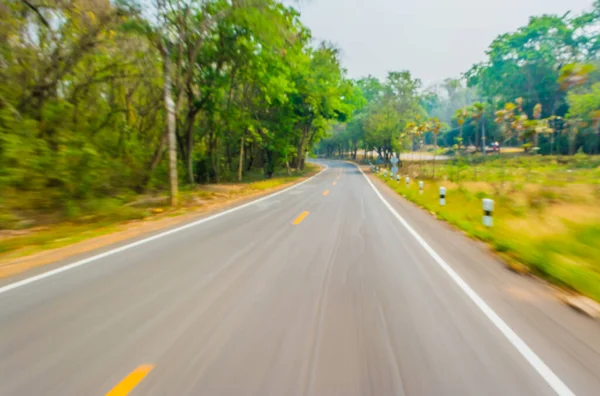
(546, 217)
(106, 216)
(58, 236)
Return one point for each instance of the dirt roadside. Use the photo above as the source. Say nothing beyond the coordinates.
(132, 229)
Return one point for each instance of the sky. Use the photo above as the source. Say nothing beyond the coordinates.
(434, 39)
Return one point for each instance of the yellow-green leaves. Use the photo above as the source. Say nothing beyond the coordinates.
(574, 75)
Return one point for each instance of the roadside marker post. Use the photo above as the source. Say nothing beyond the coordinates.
(421, 184)
(398, 178)
(443, 196)
(407, 181)
(385, 173)
(394, 161)
(488, 209)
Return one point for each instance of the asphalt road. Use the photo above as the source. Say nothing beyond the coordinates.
(302, 293)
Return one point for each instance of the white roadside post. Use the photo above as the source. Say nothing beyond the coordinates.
(394, 161)
(421, 184)
(443, 196)
(385, 173)
(488, 208)
(398, 178)
(407, 181)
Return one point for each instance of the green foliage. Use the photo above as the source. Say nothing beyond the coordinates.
(382, 110)
(549, 64)
(82, 105)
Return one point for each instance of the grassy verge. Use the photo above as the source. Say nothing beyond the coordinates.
(546, 217)
(116, 214)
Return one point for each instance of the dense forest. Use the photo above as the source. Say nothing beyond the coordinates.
(104, 97)
(538, 88)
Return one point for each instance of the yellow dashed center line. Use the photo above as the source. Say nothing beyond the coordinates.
(325, 192)
(300, 218)
(130, 382)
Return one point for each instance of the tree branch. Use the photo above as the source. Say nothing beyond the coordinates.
(39, 14)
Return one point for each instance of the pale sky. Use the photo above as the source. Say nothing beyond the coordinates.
(434, 39)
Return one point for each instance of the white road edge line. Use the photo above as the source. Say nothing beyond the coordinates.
(88, 260)
(538, 364)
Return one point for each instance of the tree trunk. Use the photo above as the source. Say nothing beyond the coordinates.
(571, 143)
(483, 135)
(241, 164)
(300, 164)
(170, 107)
(214, 157)
(158, 153)
(190, 149)
(300, 152)
(434, 150)
(180, 143)
(228, 153)
(207, 158)
(250, 161)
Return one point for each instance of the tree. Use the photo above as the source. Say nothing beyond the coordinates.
(396, 104)
(541, 62)
(444, 99)
(505, 119)
(436, 126)
(585, 106)
(461, 116)
(323, 95)
(477, 113)
(95, 94)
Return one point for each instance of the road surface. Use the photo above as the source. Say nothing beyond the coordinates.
(318, 290)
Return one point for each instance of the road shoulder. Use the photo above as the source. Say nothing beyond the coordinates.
(18, 268)
(563, 338)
